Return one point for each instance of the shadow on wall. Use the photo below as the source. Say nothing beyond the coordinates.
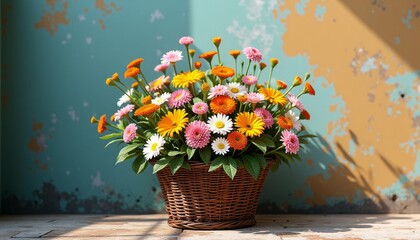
(336, 188)
(379, 19)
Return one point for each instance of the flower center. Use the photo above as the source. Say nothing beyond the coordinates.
(154, 146)
(178, 97)
(234, 90)
(221, 146)
(219, 124)
(248, 127)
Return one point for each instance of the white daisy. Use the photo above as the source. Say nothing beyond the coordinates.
(220, 146)
(153, 146)
(295, 119)
(220, 124)
(234, 89)
(161, 99)
(124, 98)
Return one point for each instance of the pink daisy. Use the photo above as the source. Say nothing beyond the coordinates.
(187, 40)
(197, 134)
(130, 132)
(252, 54)
(158, 83)
(217, 90)
(171, 57)
(249, 79)
(254, 97)
(266, 116)
(200, 108)
(290, 141)
(123, 111)
(161, 67)
(295, 101)
(179, 98)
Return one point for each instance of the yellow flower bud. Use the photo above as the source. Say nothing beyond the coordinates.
(191, 52)
(274, 62)
(115, 77)
(135, 85)
(146, 100)
(242, 98)
(109, 82)
(93, 120)
(234, 53)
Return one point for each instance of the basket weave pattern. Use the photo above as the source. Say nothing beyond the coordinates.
(198, 199)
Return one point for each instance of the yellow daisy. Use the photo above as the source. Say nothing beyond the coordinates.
(249, 124)
(273, 96)
(172, 122)
(185, 79)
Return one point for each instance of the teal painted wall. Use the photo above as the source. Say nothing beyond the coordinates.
(56, 55)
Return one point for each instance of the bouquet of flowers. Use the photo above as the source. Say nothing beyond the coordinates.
(222, 116)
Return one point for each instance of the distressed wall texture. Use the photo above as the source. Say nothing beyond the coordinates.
(364, 57)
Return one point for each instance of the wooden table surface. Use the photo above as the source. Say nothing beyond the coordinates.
(154, 227)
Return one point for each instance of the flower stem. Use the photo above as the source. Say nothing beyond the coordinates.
(189, 58)
(247, 68)
(173, 65)
(269, 77)
(218, 55)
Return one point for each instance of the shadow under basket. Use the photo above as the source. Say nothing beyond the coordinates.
(198, 199)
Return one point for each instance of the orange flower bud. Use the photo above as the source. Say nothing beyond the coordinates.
(102, 124)
(259, 86)
(205, 87)
(304, 115)
(297, 81)
(109, 82)
(115, 77)
(112, 117)
(274, 62)
(262, 65)
(132, 72)
(135, 85)
(217, 41)
(309, 89)
(197, 65)
(281, 84)
(146, 100)
(167, 82)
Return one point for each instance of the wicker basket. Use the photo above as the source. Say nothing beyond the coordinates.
(198, 199)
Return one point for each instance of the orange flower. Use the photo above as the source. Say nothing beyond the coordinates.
(132, 72)
(237, 140)
(146, 110)
(262, 65)
(102, 124)
(281, 84)
(304, 115)
(234, 53)
(135, 63)
(309, 89)
(223, 104)
(146, 100)
(134, 84)
(284, 122)
(223, 72)
(208, 55)
(197, 65)
(297, 81)
(217, 41)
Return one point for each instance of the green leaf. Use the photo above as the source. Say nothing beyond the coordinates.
(186, 165)
(261, 159)
(125, 156)
(161, 164)
(196, 100)
(113, 141)
(112, 135)
(230, 166)
(121, 125)
(175, 153)
(216, 163)
(267, 140)
(259, 144)
(139, 164)
(175, 164)
(205, 154)
(252, 165)
(190, 152)
(129, 148)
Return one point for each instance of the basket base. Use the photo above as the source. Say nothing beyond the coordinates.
(183, 224)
